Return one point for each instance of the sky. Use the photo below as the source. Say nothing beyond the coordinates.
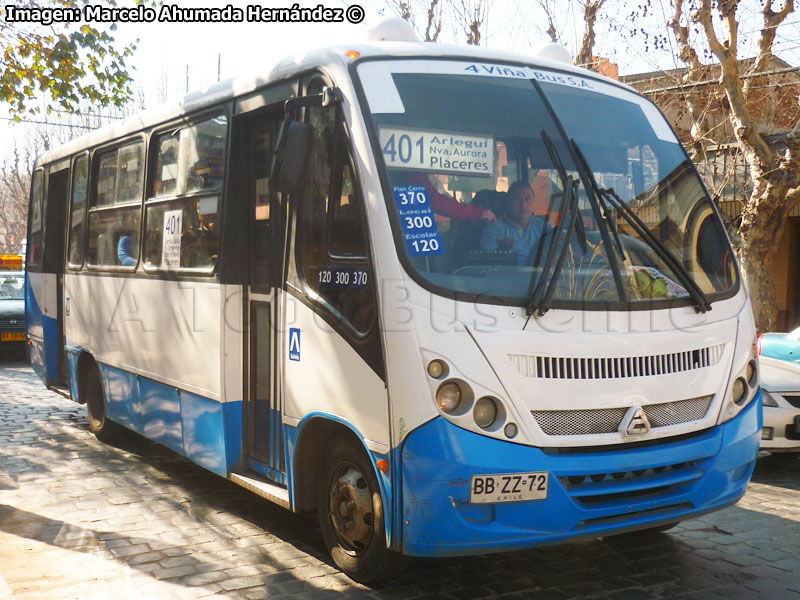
(516, 25)
(166, 51)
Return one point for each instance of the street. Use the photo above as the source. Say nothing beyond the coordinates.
(80, 519)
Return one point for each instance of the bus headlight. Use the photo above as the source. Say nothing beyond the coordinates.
(752, 373)
(485, 412)
(742, 390)
(739, 391)
(448, 396)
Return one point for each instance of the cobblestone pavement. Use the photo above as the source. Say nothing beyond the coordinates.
(79, 519)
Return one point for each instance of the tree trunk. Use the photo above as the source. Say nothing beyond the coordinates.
(754, 259)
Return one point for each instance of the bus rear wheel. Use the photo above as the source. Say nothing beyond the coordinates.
(350, 510)
(100, 425)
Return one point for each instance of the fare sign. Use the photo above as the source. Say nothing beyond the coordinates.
(437, 151)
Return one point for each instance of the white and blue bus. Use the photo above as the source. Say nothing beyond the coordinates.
(454, 300)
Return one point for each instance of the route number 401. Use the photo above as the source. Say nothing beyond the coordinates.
(402, 149)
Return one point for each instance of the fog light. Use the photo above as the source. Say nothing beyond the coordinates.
(436, 369)
(739, 391)
(510, 430)
(766, 433)
(448, 396)
(752, 371)
(485, 412)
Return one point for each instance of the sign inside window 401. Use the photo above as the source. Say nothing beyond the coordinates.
(437, 151)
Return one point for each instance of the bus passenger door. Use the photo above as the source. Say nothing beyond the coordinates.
(263, 431)
(57, 194)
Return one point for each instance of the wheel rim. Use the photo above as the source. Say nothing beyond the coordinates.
(350, 508)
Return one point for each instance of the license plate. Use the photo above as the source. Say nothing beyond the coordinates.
(508, 487)
(12, 336)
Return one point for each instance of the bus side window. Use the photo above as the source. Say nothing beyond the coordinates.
(35, 237)
(80, 182)
(332, 245)
(346, 227)
(114, 218)
(183, 208)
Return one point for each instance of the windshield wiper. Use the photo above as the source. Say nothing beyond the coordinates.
(539, 296)
(610, 196)
(565, 182)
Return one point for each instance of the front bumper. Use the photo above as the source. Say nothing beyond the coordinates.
(593, 492)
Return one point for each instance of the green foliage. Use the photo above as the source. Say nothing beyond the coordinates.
(648, 286)
(64, 62)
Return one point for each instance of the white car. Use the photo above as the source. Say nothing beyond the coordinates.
(780, 382)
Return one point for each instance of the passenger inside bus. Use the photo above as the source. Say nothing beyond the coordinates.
(200, 241)
(127, 242)
(448, 206)
(124, 252)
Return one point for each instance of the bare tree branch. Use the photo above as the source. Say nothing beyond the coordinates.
(772, 20)
(591, 8)
(548, 7)
(471, 17)
(410, 10)
(434, 26)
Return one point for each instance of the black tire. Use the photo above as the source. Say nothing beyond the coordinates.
(350, 510)
(100, 425)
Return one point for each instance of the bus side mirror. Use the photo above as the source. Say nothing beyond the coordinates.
(291, 156)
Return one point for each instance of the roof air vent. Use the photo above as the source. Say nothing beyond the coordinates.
(553, 51)
(393, 29)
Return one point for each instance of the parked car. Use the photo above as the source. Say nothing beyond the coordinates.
(781, 346)
(12, 310)
(780, 383)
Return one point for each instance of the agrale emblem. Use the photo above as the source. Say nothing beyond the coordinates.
(635, 422)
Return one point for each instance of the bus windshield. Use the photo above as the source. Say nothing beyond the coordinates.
(541, 189)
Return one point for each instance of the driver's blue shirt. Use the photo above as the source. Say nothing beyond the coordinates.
(525, 240)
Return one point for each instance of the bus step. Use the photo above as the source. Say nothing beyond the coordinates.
(262, 487)
(64, 391)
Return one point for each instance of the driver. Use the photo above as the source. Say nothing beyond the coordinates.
(518, 230)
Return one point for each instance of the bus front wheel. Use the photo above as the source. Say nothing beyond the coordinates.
(100, 425)
(350, 512)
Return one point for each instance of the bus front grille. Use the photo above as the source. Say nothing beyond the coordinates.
(666, 512)
(607, 420)
(608, 489)
(560, 367)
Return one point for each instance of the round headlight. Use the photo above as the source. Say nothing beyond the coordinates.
(752, 371)
(510, 430)
(739, 391)
(448, 396)
(485, 412)
(436, 368)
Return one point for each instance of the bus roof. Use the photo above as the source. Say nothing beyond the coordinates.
(225, 90)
